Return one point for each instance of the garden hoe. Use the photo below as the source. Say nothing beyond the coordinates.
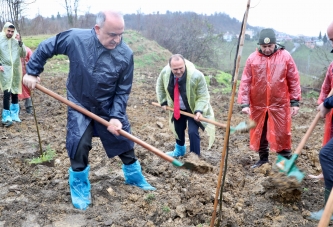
(289, 166)
(200, 168)
(241, 127)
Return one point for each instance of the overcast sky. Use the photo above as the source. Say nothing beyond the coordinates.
(294, 17)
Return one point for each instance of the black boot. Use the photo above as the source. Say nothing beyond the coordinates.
(28, 105)
(263, 155)
(285, 153)
(327, 193)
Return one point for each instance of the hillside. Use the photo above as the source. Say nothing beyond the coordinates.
(38, 195)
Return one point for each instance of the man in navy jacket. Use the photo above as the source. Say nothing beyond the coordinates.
(99, 80)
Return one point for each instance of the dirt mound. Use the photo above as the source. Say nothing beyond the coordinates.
(39, 195)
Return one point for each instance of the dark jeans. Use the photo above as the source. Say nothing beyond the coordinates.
(193, 133)
(80, 161)
(326, 162)
(263, 147)
(6, 99)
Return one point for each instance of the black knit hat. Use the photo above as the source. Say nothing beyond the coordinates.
(267, 36)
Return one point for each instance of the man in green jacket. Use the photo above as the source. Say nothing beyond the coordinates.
(11, 52)
(181, 86)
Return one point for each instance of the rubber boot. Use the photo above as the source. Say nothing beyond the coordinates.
(133, 176)
(80, 188)
(317, 215)
(14, 112)
(178, 151)
(285, 153)
(28, 105)
(263, 158)
(6, 118)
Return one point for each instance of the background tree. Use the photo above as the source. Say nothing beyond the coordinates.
(71, 7)
(12, 11)
(325, 39)
(320, 37)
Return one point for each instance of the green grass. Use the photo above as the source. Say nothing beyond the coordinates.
(150, 198)
(33, 41)
(55, 66)
(147, 60)
(166, 209)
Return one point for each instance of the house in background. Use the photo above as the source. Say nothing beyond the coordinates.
(250, 32)
(227, 37)
(319, 42)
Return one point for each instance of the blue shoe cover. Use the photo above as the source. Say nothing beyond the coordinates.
(317, 215)
(133, 176)
(14, 112)
(80, 188)
(6, 119)
(178, 152)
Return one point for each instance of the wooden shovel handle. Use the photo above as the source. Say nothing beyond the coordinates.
(310, 130)
(328, 211)
(106, 123)
(193, 116)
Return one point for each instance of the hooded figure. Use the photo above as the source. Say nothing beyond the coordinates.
(11, 52)
(270, 92)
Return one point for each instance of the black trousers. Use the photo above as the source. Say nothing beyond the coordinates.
(6, 99)
(326, 162)
(80, 161)
(193, 133)
(263, 147)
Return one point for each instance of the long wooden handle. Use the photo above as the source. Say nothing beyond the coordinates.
(106, 123)
(193, 116)
(310, 130)
(326, 217)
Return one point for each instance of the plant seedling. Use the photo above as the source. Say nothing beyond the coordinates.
(47, 156)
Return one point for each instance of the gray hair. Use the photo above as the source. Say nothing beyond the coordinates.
(176, 57)
(101, 16)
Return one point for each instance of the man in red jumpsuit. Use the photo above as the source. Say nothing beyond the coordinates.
(270, 92)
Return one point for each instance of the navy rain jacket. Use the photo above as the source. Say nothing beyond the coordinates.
(99, 79)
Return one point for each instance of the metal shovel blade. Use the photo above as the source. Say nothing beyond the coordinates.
(243, 126)
(195, 166)
(288, 167)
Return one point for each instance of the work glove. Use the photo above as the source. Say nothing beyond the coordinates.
(20, 43)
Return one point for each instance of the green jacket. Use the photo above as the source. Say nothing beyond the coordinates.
(196, 93)
(10, 54)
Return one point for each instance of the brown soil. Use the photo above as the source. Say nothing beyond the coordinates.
(39, 195)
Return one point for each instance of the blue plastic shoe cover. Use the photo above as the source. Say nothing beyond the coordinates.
(133, 176)
(14, 112)
(6, 119)
(179, 151)
(317, 215)
(80, 188)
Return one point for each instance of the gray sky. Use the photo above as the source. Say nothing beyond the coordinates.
(294, 17)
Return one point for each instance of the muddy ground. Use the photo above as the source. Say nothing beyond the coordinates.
(39, 195)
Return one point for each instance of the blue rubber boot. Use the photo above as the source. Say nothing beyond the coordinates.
(178, 152)
(80, 188)
(6, 118)
(14, 112)
(133, 176)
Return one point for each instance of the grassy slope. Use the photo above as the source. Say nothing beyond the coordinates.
(149, 57)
